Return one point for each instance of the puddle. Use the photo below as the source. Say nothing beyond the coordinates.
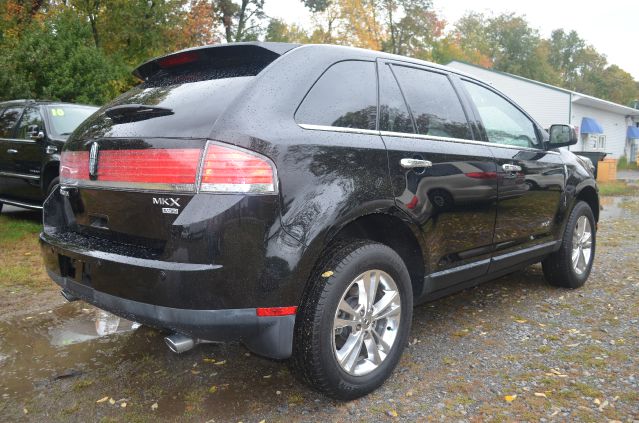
(59, 343)
(616, 207)
(77, 354)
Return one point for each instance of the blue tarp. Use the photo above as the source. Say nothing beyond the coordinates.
(633, 133)
(590, 126)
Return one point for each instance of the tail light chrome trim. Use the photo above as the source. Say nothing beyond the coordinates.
(216, 168)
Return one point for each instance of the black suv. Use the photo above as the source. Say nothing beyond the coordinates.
(32, 134)
(302, 199)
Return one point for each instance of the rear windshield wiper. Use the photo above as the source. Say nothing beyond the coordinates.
(135, 112)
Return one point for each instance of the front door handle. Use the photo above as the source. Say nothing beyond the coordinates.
(414, 163)
(511, 167)
(12, 151)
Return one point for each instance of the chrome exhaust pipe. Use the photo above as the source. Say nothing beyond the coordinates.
(68, 296)
(179, 343)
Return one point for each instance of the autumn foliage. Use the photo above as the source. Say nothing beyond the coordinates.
(84, 50)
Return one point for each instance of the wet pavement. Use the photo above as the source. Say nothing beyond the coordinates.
(513, 336)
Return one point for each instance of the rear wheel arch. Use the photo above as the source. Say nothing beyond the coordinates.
(389, 230)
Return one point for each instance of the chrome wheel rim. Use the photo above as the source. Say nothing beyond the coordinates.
(581, 245)
(366, 322)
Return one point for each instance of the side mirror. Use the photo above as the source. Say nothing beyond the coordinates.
(561, 136)
(35, 133)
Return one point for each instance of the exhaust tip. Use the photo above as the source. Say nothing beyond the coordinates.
(68, 296)
(179, 343)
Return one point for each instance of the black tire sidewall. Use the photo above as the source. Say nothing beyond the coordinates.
(368, 257)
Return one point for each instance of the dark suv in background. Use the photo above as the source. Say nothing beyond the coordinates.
(32, 134)
(302, 199)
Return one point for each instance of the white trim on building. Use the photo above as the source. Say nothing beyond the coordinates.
(549, 104)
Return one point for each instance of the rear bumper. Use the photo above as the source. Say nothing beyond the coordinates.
(268, 336)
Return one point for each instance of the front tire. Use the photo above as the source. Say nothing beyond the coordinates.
(354, 322)
(570, 266)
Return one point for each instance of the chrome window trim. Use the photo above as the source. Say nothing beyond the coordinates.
(19, 140)
(338, 129)
(20, 175)
(417, 136)
(462, 140)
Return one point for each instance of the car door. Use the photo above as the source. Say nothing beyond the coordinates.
(8, 120)
(443, 179)
(27, 161)
(531, 180)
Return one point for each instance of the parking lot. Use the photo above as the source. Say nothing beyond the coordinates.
(511, 349)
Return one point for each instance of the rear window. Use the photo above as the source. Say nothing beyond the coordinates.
(195, 99)
(344, 96)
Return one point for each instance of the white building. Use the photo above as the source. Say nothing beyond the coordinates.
(603, 125)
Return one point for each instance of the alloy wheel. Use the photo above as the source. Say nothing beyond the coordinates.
(581, 245)
(366, 322)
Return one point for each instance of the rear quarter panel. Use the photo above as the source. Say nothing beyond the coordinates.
(326, 178)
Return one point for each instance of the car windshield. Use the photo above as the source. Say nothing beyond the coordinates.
(65, 118)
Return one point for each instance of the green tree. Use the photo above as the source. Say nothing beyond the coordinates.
(58, 60)
(243, 20)
(412, 26)
(280, 31)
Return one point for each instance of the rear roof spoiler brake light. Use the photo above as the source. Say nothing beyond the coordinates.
(216, 56)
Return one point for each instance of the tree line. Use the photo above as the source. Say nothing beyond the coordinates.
(84, 50)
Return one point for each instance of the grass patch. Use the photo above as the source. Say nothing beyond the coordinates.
(12, 229)
(623, 164)
(615, 188)
(22, 267)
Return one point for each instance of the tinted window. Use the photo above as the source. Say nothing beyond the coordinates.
(393, 112)
(344, 96)
(195, 98)
(30, 124)
(64, 118)
(8, 121)
(433, 102)
(504, 123)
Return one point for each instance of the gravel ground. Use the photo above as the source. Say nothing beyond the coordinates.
(514, 349)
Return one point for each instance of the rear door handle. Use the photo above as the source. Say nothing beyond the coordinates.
(414, 163)
(511, 167)
(12, 151)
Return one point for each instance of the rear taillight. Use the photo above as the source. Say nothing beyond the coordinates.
(74, 166)
(219, 168)
(232, 170)
(482, 175)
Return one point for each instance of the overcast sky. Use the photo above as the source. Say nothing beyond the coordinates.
(611, 26)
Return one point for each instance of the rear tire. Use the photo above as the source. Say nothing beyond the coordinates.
(570, 266)
(376, 322)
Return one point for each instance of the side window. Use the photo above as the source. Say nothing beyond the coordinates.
(504, 123)
(344, 96)
(393, 112)
(8, 121)
(434, 103)
(30, 124)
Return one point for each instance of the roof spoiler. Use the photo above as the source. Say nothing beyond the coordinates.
(244, 53)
